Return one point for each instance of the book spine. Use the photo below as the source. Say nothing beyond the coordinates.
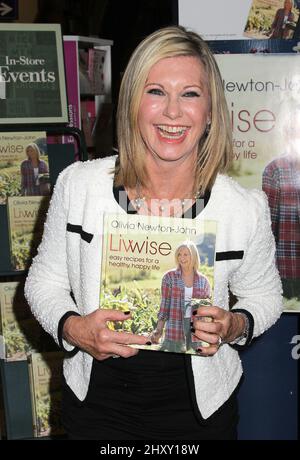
(32, 392)
(2, 343)
(73, 92)
(96, 59)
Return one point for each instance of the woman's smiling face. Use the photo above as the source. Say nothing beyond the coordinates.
(174, 108)
(184, 258)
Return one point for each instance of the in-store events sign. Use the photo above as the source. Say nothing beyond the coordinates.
(33, 88)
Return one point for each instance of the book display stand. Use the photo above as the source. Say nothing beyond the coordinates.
(14, 375)
(73, 138)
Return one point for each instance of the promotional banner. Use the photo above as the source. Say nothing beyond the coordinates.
(263, 96)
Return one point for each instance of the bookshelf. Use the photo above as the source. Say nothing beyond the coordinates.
(16, 393)
(88, 75)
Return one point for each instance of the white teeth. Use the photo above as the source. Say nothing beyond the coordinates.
(173, 129)
(172, 132)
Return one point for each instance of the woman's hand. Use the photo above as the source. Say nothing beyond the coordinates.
(91, 334)
(225, 326)
(155, 336)
(158, 332)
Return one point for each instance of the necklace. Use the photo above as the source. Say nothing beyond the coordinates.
(162, 205)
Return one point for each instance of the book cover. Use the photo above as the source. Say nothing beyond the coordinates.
(96, 60)
(45, 379)
(85, 84)
(269, 19)
(3, 431)
(91, 71)
(88, 119)
(20, 332)
(26, 216)
(24, 167)
(32, 74)
(141, 273)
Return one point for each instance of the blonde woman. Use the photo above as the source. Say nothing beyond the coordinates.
(283, 16)
(179, 286)
(174, 137)
(31, 170)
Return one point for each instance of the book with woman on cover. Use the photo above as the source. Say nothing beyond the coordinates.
(160, 269)
(26, 216)
(20, 333)
(45, 381)
(24, 166)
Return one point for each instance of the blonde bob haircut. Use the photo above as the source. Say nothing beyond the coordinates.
(190, 245)
(215, 146)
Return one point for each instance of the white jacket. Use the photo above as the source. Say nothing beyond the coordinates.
(69, 261)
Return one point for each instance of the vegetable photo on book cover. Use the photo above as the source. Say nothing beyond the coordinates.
(160, 270)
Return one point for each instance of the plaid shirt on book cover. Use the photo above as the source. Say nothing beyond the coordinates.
(281, 183)
(172, 302)
(29, 184)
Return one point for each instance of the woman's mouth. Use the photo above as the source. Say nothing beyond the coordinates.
(173, 133)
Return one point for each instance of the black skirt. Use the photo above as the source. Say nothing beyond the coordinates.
(148, 396)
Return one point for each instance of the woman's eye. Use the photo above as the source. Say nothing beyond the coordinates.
(191, 94)
(156, 91)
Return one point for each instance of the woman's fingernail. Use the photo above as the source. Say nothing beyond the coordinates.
(193, 329)
(148, 343)
(126, 312)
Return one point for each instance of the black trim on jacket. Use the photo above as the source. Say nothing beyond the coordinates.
(229, 255)
(61, 324)
(78, 229)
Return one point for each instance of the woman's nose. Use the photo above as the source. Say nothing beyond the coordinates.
(172, 109)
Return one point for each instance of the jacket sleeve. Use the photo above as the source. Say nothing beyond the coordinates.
(256, 284)
(47, 287)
